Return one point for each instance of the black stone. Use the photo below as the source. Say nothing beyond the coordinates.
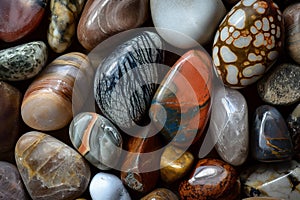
(293, 123)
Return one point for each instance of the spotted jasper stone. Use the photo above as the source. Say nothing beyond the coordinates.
(270, 138)
(64, 18)
(211, 179)
(20, 17)
(248, 42)
(160, 194)
(181, 103)
(49, 168)
(23, 61)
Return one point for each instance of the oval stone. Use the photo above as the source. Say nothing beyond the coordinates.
(49, 168)
(125, 81)
(270, 138)
(23, 61)
(160, 194)
(97, 139)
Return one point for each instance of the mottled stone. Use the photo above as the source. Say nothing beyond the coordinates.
(107, 186)
(49, 168)
(64, 18)
(23, 61)
(230, 127)
(277, 180)
(181, 103)
(20, 17)
(160, 194)
(175, 163)
(101, 19)
(10, 103)
(248, 42)
(293, 123)
(211, 179)
(11, 186)
(184, 24)
(97, 139)
(125, 81)
(281, 86)
(270, 138)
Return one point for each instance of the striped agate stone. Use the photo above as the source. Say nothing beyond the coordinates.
(125, 81)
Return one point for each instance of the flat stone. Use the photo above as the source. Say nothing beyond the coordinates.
(281, 86)
(270, 138)
(293, 123)
(49, 168)
(160, 194)
(279, 180)
(190, 22)
(230, 126)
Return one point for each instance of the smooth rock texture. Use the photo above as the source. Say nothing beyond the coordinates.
(248, 42)
(11, 186)
(97, 139)
(64, 17)
(281, 86)
(277, 180)
(49, 168)
(101, 19)
(293, 123)
(47, 103)
(181, 104)
(107, 186)
(230, 126)
(211, 179)
(270, 138)
(193, 19)
(23, 61)
(18, 18)
(160, 194)
(175, 163)
(291, 16)
(125, 81)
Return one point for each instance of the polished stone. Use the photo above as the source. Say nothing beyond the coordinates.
(293, 122)
(160, 194)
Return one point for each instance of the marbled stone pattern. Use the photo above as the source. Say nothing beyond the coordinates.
(97, 139)
(181, 103)
(248, 42)
(281, 86)
(211, 179)
(101, 19)
(125, 81)
(11, 186)
(20, 17)
(64, 17)
(23, 61)
(280, 180)
(230, 127)
(160, 194)
(270, 138)
(293, 123)
(49, 168)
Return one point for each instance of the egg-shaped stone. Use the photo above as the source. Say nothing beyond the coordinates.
(160, 194)
(248, 42)
(97, 139)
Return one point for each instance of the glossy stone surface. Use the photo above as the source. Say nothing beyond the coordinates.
(291, 16)
(47, 103)
(277, 180)
(10, 103)
(49, 168)
(160, 194)
(281, 86)
(293, 123)
(11, 186)
(107, 186)
(211, 179)
(97, 139)
(20, 17)
(125, 81)
(270, 138)
(230, 127)
(248, 42)
(23, 61)
(195, 19)
(175, 163)
(183, 99)
(64, 17)
(101, 19)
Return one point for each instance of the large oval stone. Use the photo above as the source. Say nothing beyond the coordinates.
(49, 168)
